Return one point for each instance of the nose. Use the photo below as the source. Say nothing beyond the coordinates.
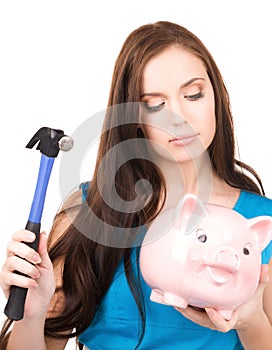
(177, 119)
(177, 115)
(227, 256)
(176, 110)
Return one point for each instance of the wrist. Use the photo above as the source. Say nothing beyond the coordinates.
(35, 322)
(35, 318)
(256, 334)
(28, 333)
(259, 318)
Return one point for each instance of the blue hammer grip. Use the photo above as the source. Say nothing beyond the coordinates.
(15, 306)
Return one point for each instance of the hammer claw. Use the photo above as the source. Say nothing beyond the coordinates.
(33, 141)
(50, 141)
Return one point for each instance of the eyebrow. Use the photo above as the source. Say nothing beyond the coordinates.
(187, 83)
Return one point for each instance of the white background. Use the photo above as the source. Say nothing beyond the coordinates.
(56, 61)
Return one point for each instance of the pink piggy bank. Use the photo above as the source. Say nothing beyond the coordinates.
(204, 255)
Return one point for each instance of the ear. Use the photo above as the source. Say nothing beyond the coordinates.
(262, 226)
(188, 210)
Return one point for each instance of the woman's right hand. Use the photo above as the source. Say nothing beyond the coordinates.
(37, 266)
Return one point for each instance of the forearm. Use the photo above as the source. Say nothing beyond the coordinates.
(27, 334)
(258, 335)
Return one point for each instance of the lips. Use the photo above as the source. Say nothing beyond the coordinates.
(183, 140)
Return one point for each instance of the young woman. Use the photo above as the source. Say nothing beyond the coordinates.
(176, 132)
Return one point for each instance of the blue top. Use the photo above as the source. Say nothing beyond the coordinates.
(117, 322)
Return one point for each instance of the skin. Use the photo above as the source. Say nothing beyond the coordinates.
(163, 85)
(178, 100)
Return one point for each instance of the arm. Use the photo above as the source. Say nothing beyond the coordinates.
(28, 333)
(256, 333)
(41, 301)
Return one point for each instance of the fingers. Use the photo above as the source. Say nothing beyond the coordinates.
(23, 259)
(23, 251)
(42, 249)
(9, 279)
(15, 246)
(196, 316)
(210, 319)
(24, 236)
(264, 277)
(22, 266)
(43, 253)
(220, 323)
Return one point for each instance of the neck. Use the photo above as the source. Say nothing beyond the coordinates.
(187, 177)
(196, 177)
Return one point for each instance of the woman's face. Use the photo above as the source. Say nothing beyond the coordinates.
(177, 105)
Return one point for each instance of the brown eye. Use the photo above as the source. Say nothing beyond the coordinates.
(201, 236)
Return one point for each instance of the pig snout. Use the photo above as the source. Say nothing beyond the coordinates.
(224, 264)
(228, 258)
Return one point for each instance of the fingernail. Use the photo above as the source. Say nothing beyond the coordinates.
(30, 235)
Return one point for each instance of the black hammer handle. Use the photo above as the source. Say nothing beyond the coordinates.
(15, 306)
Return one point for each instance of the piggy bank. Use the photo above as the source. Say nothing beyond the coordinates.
(204, 256)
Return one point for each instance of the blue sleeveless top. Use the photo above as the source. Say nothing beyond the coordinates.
(117, 323)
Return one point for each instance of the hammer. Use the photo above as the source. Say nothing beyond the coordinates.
(50, 142)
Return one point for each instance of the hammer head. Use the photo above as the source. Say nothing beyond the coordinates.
(50, 141)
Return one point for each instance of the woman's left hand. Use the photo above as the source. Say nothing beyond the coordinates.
(241, 318)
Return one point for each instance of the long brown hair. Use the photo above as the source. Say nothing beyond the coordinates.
(89, 266)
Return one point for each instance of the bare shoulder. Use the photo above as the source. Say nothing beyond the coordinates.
(73, 200)
(65, 216)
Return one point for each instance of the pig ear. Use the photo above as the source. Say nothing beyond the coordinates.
(262, 226)
(189, 211)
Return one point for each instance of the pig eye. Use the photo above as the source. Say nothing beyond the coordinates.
(200, 235)
(246, 250)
